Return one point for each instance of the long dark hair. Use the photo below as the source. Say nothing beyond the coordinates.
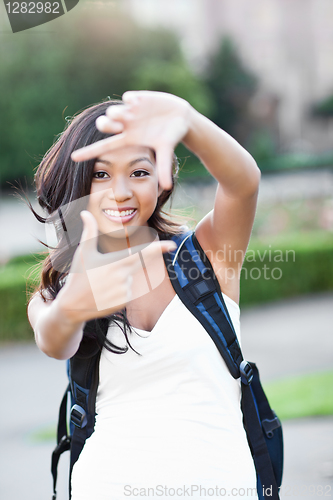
(59, 182)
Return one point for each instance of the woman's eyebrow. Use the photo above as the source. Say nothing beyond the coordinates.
(137, 160)
(98, 160)
(131, 163)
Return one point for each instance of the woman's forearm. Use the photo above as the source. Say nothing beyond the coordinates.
(231, 165)
(57, 334)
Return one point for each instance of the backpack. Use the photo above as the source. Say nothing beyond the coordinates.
(201, 294)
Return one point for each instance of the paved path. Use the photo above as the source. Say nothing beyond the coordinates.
(31, 387)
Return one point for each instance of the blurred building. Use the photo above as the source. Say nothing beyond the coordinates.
(288, 44)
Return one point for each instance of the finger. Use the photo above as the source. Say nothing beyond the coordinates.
(122, 272)
(151, 264)
(119, 113)
(89, 237)
(132, 254)
(98, 148)
(151, 252)
(104, 124)
(168, 246)
(164, 157)
(131, 97)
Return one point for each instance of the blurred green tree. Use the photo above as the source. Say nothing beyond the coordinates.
(324, 108)
(231, 86)
(49, 76)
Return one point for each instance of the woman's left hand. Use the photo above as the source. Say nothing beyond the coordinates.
(153, 119)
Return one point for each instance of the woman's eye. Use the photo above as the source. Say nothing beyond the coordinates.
(100, 175)
(139, 173)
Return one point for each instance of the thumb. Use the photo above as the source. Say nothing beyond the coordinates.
(164, 166)
(89, 235)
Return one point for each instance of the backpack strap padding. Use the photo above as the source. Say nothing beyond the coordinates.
(84, 376)
(270, 423)
(83, 373)
(258, 445)
(63, 440)
(84, 379)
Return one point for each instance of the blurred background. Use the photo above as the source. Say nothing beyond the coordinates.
(263, 71)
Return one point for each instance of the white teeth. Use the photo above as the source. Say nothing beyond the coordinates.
(116, 213)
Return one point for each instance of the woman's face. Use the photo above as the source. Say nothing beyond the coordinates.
(124, 189)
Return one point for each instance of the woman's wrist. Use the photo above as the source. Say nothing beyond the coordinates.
(69, 315)
(191, 117)
(196, 127)
(56, 333)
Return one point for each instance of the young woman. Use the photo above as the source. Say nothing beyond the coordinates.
(168, 411)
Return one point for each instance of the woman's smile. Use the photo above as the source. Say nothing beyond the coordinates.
(121, 215)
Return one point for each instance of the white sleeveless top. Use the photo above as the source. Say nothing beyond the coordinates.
(169, 421)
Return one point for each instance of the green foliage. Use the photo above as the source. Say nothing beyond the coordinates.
(165, 76)
(287, 268)
(43, 434)
(16, 279)
(49, 76)
(324, 108)
(294, 161)
(302, 396)
(231, 85)
(190, 167)
(262, 147)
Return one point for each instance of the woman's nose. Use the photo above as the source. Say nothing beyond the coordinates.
(120, 190)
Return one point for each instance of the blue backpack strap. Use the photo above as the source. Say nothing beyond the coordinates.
(195, 283)
(83, 375)
(63, 440)
(193, 278)
(84, 378)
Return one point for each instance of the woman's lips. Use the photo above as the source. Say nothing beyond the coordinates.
(120, 216)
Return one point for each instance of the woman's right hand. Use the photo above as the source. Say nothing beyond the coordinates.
(100, 284)
(156, 120)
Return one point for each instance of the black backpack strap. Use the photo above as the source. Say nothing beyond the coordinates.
(63, 440)
(258, 445)
(84, 377)
(193, 278)
(270, 424)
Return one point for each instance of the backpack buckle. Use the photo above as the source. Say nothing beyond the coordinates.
(246, 372)
(78, 416)
(270, 425)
